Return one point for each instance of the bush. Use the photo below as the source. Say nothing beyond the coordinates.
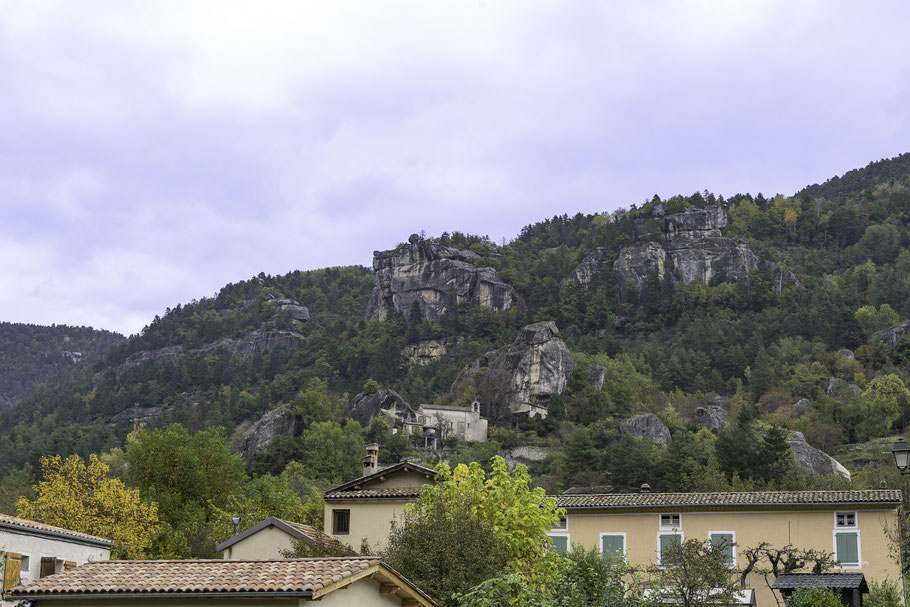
(814, 596)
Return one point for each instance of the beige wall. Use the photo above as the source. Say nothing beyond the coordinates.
(802, 529)
(370, 520)
(267, 543)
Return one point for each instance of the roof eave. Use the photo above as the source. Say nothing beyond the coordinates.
(75, 539)
(305, 594)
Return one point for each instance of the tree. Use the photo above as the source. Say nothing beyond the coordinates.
(814, 596)
(883, 400)
(768, 560)
(332, 452)
(83, 498)
(694, 573)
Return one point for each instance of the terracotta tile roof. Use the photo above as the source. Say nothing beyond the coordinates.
(300, 577)
(732, 499)
(7, 520)
(311, 532)
(382, 493)
(400, 466)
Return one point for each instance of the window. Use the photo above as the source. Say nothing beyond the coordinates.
(671, 521)
(845, 519)
(562, 524)
(25, 566)
(341, 522)
(726, 540)
(48, 566)
(559, 542)
(665, 541)
(846, 548)
(613, 545)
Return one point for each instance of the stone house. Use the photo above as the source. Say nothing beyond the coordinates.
(435, 423)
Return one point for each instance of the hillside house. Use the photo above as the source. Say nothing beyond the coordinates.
(435, 423)
(32, 550)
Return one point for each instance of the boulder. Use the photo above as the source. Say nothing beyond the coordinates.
(293, 309)
(801, 407)
(584, 272)
(249, 436)
(842, 388)
(892, 334)
(814, 459)
(647, 424)
(424, 352)
(364, 407)
(533, 368)
(596, 375)
(713, 419)
(432, 275)
(845, 353)
(716, 399)
(636, 261)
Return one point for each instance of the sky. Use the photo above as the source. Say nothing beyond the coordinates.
(152, 152)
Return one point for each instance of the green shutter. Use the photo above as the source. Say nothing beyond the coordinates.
(611, 545)
(560, 543)
(667, 541)
(725, 541)
(847, 546)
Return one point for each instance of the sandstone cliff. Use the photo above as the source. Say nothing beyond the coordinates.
(431, 275)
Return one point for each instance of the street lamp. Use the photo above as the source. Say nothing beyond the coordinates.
(901, 453)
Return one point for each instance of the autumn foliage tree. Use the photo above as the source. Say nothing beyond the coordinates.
(80, 496)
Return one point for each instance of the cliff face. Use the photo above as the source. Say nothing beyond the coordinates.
(431, 274)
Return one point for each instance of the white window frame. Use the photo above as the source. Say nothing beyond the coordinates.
(732, 533)
(625, 543)
(859, 548)
(682, 538)
(564, 527)
(568, 540)
(662, 527)
(855, 524)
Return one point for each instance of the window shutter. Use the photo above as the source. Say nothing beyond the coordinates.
(725, 541)
(667, 541)
(611, 546)
(48, 566)
(11, 571)
(560, 543)
(847, 548)
(69, 565)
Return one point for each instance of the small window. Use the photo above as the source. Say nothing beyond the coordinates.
(341, 522)
(665, 541)
(845, 519)
(613, 545)
(559, 542)
(846, 549)
(562, 524)
(671, 521)
(726, 542)
(48, 566)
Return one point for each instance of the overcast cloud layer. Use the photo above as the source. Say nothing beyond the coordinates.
(151, 152)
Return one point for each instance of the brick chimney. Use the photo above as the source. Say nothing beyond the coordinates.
(371, 460)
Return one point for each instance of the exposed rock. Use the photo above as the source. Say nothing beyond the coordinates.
(530, 454)
(690, 223)
(596, 375)
(637, 261)
(424, 352)
(589, 266)
(73, 356)
(647, 424)
(431, 274)
(141, 414)
(294, 309)
(713, 419)
(781, 279)
(801, 407)
(845, 353)
(843, 388)
(893, 334)
(814, 459)
(535, 366)
(711, 259)
(254, 434)
(364, 407)
(716, 399)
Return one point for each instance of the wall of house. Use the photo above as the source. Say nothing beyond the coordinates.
(370, 520)
(402, 478)
(267, 543)
(466, 424)
(802, 529)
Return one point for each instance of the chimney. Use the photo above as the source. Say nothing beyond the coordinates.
(883, 485)
(371, 460)
(236, 521)
(645, 488)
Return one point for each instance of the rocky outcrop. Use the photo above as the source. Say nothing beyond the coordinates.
(690, 223)
(251, 435)
(139, 414)
(293, 309)
(814, 459)
(365, 406)
(716, 399)
(637, 261)
(781, 279)
(519, 455)
(801, 407)
(841, 388)
(584, 272)
(713, 419)
(711, 260)
(893, 334)
(532, 368)
(596, 375)
(647, 424)
(424, 352)
(433, 275)
(845, 353)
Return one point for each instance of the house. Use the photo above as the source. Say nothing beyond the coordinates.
(268, 539)
(640, 526)
(364, 509)
(448, 420)
(32, 550)
(342, 581)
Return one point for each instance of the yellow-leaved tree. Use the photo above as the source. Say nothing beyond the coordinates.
(81, 497)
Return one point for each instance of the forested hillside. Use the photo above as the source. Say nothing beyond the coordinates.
(736, 321)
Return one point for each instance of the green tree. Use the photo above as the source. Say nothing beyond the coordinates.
(694, 573)
(884, 398)
(332, 452)
(814, 596)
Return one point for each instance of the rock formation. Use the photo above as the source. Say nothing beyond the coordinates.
(432, 275)
(596, 375)
(842, 388)
(892, 334)
(424, 352)
(646, 424)
(714, 259)
(689, 223)
(293, 309)
(251, 435)
(716, 399)
(365, 406)
(713, 419)
(814, 459)
(532, 368)
(584, 272)
(846, 353)
(637, 261)
(801, 407)
(138, 414)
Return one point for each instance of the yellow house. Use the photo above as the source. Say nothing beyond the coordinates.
(364, 509)
(268, 539)
(639, 526)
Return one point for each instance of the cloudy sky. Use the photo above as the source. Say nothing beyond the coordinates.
(151, 152)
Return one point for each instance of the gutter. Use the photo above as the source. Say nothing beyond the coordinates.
(303, 594)
(22, 530)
